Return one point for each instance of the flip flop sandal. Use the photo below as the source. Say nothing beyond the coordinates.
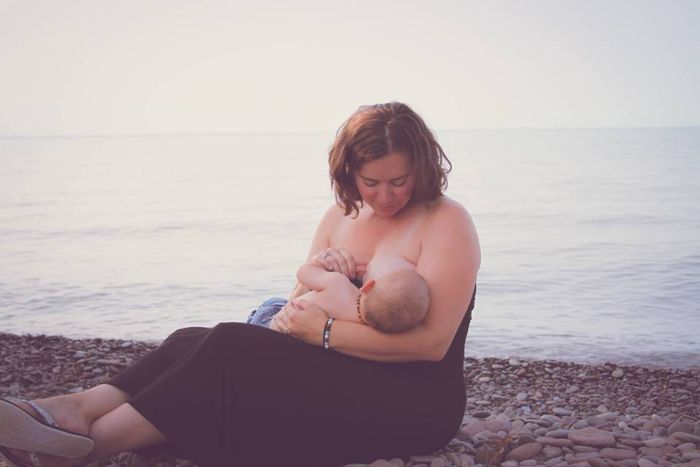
(9, 459)
(20, 430)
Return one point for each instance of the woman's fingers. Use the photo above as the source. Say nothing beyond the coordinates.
(360, 269)
(338, 260)
(349, 261)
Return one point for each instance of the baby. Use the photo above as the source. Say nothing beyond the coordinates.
(393, 303)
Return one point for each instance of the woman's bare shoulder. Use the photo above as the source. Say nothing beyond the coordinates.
(447, 210)
(450, 222)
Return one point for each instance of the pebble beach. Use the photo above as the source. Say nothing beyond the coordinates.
(519, 412)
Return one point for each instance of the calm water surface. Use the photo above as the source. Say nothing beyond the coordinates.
(589, 237)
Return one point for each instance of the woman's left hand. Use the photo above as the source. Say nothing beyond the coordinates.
(303, 320)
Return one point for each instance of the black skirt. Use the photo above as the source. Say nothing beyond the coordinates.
(243, 395)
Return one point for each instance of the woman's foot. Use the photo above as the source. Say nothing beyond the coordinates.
(49, 426)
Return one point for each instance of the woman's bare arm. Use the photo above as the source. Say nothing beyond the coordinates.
(320, 241)
(449, 261)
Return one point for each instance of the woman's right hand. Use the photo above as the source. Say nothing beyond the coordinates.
(340, 260)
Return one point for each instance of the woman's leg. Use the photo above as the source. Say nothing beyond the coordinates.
(77, 412)
(122, 429)
(102, 414)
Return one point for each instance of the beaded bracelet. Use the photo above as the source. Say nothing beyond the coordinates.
(327, 334)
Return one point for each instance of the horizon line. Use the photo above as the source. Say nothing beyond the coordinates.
(287, 132)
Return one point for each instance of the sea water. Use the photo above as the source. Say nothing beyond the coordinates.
(589, 237)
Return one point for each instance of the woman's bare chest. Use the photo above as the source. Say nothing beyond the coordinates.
(383, 246)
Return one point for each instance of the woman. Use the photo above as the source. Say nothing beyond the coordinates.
(317, 392)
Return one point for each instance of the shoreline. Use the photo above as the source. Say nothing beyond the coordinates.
(518, 412)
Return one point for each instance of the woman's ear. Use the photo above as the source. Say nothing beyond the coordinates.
(368, 286)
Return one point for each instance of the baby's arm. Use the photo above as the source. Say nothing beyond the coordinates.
(314, 276)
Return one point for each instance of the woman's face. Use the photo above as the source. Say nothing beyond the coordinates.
(386, 184)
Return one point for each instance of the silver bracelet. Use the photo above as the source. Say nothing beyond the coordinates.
(327, 334)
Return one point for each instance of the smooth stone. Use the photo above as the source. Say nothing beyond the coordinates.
(470, 430)
(526, 451)
(598, 463)
(466, 459)
(528, 463)
(557, 434)
(500, 423)
(452, 458)
(484, 379)
(634, 443)
(558, 442)
(439, 462)
(580, 424)
(685, 437)
(655, 442)
(551, 419)
(553, 461)
(691, 455)
(592, 437)
(481, 414)
(658, 420)
(525, 438)
(685, 427)
(645, 463)
(551, 451)
(654, 452)
(521, 396)
(381, 463)
(514, 362)
(617, 373)
(561, 411)
(686, 447)
(580, 449)
(617, 454)
(509, 464)
(587, 455)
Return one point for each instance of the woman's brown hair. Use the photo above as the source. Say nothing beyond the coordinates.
(374, 131)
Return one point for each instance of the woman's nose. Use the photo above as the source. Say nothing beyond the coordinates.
(384, 194)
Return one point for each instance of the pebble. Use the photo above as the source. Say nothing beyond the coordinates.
(514, 362)
(655, 442)
(617, 454)
(592, 437)
(683, 427)
(617, 373)
(558, 434)
(551, 451)
(526, 451)
(645, 463)
(558, 442)
(687, 437)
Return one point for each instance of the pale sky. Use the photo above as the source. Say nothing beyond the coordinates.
(205, 66)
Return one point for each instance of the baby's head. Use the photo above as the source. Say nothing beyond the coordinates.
(396, 302)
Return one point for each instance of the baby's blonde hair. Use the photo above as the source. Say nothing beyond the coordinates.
(398, 301)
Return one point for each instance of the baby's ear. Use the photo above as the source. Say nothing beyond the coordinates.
(368, 286)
